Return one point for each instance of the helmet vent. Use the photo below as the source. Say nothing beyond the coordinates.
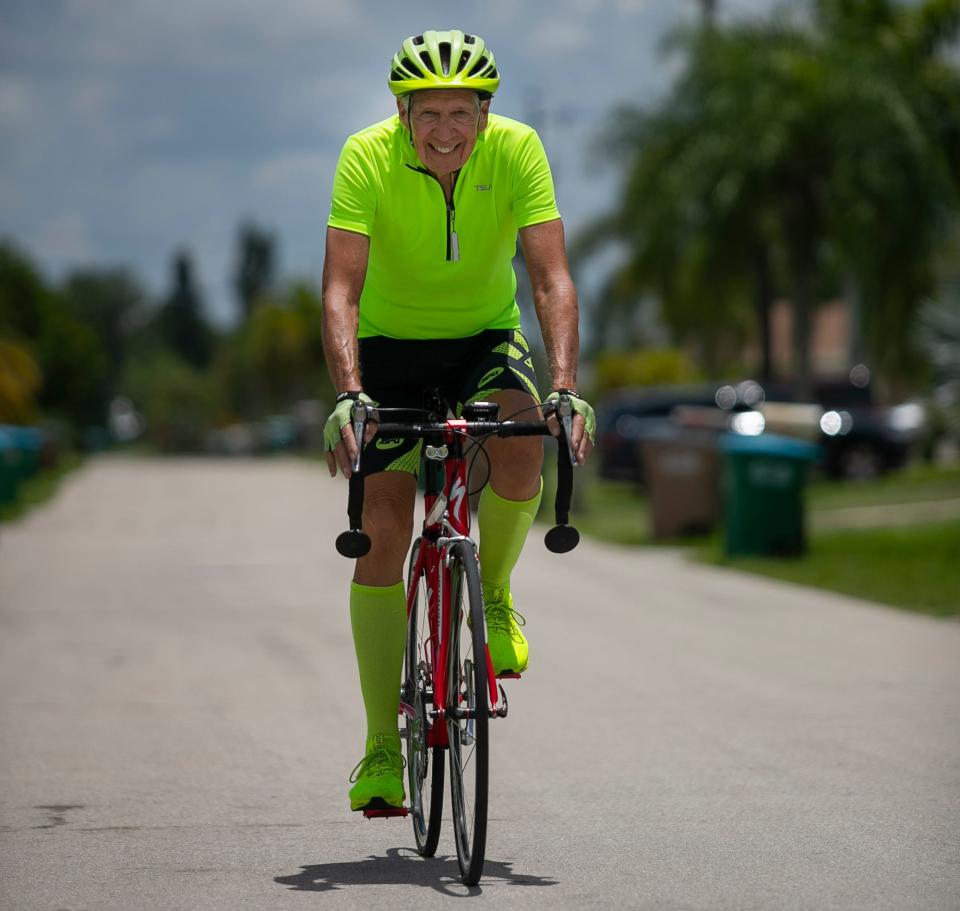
(410, 66)
(462, 62)
(469, 39)
(479, 65)
(418, 39)
(444, 48)
(427, 62)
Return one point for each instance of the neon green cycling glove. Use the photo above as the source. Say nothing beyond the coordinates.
(580, 406)
(341, 416)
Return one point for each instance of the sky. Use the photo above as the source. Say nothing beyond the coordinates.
(130, 129)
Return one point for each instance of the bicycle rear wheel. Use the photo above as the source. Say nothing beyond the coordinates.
(424, 765)
(467, 712)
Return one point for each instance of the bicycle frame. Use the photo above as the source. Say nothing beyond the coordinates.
(446, 518)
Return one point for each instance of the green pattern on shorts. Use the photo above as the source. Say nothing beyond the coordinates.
(526, 382)
(507, 348)
(409, 461)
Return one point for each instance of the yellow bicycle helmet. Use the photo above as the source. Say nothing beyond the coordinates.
(444, 60)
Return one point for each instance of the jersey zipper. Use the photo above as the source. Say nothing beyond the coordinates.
(453, 242)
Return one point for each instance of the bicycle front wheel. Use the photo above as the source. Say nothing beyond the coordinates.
(424, 764)
(467, 712)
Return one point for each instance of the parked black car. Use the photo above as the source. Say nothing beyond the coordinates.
(858, 437)
(627, 416)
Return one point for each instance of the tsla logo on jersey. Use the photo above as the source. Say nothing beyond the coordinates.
(458, 494)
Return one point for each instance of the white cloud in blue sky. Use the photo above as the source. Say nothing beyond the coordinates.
(129, 128)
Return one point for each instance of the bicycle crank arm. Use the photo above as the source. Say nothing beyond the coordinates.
(502, 705)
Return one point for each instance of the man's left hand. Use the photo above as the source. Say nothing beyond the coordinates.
(584, 432)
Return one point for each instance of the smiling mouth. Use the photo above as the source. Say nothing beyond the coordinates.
(444, 150)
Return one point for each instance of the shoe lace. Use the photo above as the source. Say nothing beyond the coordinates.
(502, 618)
(377, 763)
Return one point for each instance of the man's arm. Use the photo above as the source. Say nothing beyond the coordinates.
(555, 299)
(344, 271)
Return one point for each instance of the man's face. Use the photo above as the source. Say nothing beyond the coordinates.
(445, 124)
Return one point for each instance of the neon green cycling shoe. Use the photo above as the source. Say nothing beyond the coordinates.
(509, 651)
(378, 777)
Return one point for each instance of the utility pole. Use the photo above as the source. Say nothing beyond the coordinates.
(709, 10)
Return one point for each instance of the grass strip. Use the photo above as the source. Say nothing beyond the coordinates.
(916, 568)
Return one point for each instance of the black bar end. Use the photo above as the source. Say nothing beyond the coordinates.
(353, 544)
(561, 539)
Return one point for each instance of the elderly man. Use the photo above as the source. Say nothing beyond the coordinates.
(419, 292)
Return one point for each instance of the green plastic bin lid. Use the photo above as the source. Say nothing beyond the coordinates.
(28, 439)
(770, 444)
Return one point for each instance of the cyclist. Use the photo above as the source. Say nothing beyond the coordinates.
(419, 291)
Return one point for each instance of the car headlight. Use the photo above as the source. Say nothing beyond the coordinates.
(907, 418)
(748, 423)
(836, 423)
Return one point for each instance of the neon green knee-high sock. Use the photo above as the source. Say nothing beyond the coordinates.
(379, 620)
(503, 529)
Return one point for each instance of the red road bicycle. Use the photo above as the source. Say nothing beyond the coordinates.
(449, 692)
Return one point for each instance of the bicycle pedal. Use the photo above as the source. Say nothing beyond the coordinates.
(380, 809)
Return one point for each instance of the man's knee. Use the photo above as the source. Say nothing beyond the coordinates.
(516, 462)
(388, 520)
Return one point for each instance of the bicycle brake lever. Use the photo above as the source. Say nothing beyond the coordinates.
(358, 416)
(565, 410)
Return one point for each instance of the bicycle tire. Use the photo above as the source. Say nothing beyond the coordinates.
(468, 736)
(426, 796)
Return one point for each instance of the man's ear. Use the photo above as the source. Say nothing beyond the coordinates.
(484, 114)
(402, 111)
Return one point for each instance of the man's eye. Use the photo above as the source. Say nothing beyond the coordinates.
(428, 117)
(462, 117)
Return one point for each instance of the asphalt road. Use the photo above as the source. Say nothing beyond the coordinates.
(179, 712)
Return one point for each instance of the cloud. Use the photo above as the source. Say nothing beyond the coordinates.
(130, 128)
(65, 237)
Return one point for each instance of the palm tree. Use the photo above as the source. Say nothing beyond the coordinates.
(787, 145)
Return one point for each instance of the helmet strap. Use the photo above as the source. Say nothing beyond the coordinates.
(409, 118)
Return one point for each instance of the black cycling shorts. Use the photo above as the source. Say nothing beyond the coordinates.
(399, 373)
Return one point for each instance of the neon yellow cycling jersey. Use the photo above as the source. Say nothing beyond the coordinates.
(437, 270)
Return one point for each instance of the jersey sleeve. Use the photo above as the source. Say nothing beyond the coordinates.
(534, 200)
(353, 202)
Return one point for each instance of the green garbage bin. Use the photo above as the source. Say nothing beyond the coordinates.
(765, 481)
(9, 468)
(29, 441)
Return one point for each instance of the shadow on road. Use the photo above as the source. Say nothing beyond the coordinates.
(403, 867)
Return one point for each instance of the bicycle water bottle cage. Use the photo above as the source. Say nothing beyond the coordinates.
(481, 411)
(353, 544)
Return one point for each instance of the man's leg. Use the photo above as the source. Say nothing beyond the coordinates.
(378, 617)
(508, 507)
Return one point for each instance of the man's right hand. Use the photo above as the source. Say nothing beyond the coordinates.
(340, 447)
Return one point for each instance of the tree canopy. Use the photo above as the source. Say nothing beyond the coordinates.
(803, 154)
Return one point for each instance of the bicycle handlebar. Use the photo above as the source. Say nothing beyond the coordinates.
(562, 538)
